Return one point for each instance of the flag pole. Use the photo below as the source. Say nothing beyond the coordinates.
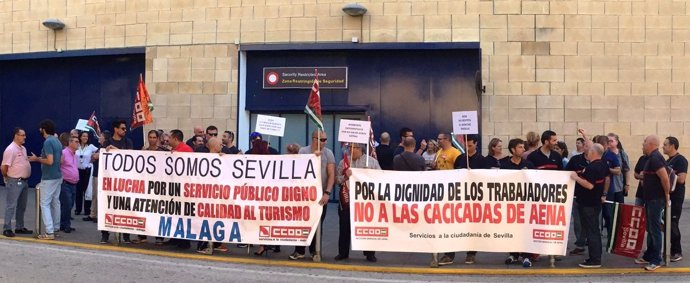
(368, 143)
(467, 153)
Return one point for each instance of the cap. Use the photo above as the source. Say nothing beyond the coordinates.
(254, 136)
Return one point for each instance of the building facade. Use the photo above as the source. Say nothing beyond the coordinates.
(605, 66)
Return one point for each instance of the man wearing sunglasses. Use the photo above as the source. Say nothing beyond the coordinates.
(318, 147)
(117, 141)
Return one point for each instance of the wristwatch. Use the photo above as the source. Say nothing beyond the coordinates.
(327, 192)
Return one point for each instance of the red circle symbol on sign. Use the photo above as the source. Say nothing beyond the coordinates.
(272, 78)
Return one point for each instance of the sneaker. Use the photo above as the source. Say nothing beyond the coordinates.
(511, 259)
(159, 241)
(46, 237)
(296, 256)
(8, 233)
(371, 258)
(242, 246)
(590, 264)
(526, 263)
(126, 241)
(641, 260)
(469, 259)
(651, 267)
(577, 251)
(676, 257)
(104, 240)
(221, 248)
(23, 231)
(445, 260)
(206, 251)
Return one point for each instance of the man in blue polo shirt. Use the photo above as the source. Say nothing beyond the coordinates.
(51, 179)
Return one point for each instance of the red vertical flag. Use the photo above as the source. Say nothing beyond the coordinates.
(141, 111)
(313, 107)
(93, 125)
(344, 189)
(372, 142)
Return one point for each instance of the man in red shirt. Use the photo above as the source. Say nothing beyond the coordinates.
(176, 142)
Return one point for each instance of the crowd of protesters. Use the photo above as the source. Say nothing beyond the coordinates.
(600, 168)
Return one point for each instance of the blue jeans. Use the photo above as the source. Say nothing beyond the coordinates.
(50, 204)
(66, 202)
(16, 203)
(653, 210)
(589, 217)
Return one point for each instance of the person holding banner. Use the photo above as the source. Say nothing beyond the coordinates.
(545, 158)
(476, 161)
(589, 190)
(679, 165)
(117, 141)
(656, 195)
(516, 147)
(318, 147)
(214, 146)
(104, 136)
(577, 164)
(359, 160)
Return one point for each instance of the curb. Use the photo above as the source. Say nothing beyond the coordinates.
(361, 268)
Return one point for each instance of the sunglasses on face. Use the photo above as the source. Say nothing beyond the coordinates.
(213, 134)
(123, 128)
(322, 140)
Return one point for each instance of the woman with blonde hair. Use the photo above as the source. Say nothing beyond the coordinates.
(495, 153)
(430, 153)
(531, 143)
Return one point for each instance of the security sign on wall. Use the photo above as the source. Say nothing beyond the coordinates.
(303, 77)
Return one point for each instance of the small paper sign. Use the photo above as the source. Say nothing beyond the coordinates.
(81, 125)
(465, 123)
(270, 125)
(354, 131)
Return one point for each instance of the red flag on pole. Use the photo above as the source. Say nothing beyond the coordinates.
(344, 189)
(93, 125)
(141, 111)
(372, 142)
(313, 107)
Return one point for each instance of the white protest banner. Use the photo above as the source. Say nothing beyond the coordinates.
(270, 125)
(465, 123)
(257, 199)
(354, 131)
(461, 210)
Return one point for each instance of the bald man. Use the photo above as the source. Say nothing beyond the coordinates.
(384, 152)
(198, 132)
(656, 195)
(214, 145)
(589, 191)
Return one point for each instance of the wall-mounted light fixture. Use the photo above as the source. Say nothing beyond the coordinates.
(55, 25)
(354, 9)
